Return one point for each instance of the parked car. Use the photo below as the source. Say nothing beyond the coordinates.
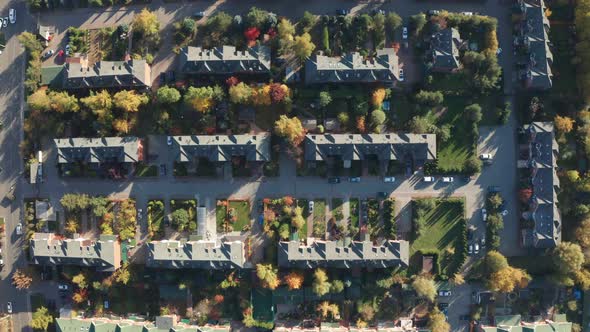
(5, 23)
(68, 49)
(12, 15)
(405, 33)
(467, 13)
(48, 54)
(504, 213)
(169, 140)
(389, 179)
(484, 214)
(1, 22)
(470, 249)
(163, 169)
(382, 195)
(166, 221)
(448, 179)
(342, 12)
(476, 248)
(483, 242)
(10, 193)
(19, 229)
(9, 307)
(433, 12)
(378, 11)
(444, 293)
(199, 14)
(310, 206)
(1, 262)
(485, 156)
(493, 189)
(401, 75)
(356, 179)
(62, 287)
(428, 179)
(334, 180)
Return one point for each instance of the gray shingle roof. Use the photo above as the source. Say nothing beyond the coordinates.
(225, 60)
(162, 324)
(340, 255)
(222, 147)
(107, 74)
(96, 150)
(196, 254)
(444, 46)
(353, 67)
(104, 254)
(421, 147)
(543, 162)
(534, 30)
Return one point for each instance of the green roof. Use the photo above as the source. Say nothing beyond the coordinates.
(50, 75)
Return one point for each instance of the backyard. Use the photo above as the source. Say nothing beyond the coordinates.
(304, 204)
(155, 215)
(439, 228)
(319, 218)
(232, 216)
(184, 214)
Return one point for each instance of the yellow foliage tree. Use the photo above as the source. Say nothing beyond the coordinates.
(100, 103)
(121, 126)
(39, 101)
(146, 23)
(437, 321)
(303, 46)
(268, 276)
(261, 96)
(62, 102)
(507, 279)
(129, 101)
(291, 129)
(294, 280)
(583, 233)
(378, 97)
(325, 309)
(563, 124)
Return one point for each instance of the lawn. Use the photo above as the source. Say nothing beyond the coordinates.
(303, 203)
(374, 226)
(155, 215)
(242, 213)
(452, 154)
(442, 231)
(319, 218)
(354, 217)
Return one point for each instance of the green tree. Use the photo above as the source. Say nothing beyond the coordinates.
(429, 98)
(256, 17)
(337, 286)
(343, 118)
(147, 25)
(240, 93)
(220, 23)
(39, 101)
(180, 219)
(392, 22)
(303, 46)
(325, 98)
(425, 288)
(482, 69)
(308, 21)
(473, 112)
(568, 257)
(62, 102)
(168, 95)
(420, 125)
(495, 201)
(417, 22)
(320, 285)
(377, 118)
(268, 274)
(129, 100)
(437, 321)
(30, 42)
(472, 165)
(100, 103)
(41, 319)
(495, 261)
(379, 30)
(99, 205)
(75, 202)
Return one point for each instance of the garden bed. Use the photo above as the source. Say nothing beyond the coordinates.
(155, 218)
(319, 218)
(232, 216)
(304, 204)
(353, 227)
(184, 214)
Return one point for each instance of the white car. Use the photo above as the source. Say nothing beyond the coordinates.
(484, 215)
(429, 179)
(9, 307)
(401, 75)
(62, 287)
(470, 249)
(389, 179)
(5, 23)
(169, 140)
(444, 293)
(19, 229)
(448, 179)
(485, 156)
(12, 15)
(467, 13)
(504, 213)
(1, 22)
(476, 249)
(405, 33)
(310, 206)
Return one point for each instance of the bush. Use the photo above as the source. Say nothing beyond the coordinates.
(377, 118)
(326, 40)
(389, 219)
(472, 165)
(429, 98)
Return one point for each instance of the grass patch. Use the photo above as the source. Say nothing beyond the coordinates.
(354, 217)
(304, 204)
(319, 218)
(242, 214)
(155, 215)
(232, 216)
(441, 230)
(452, 154)
(373, 223)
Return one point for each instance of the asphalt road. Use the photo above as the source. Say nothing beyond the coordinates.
(12, 69)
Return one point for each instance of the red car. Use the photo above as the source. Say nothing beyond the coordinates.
(60, 53)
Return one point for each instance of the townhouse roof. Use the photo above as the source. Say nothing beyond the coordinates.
(199, 254)
(353, 67)
(168, 323)
(222, 147)
(225, 60)
(445, 46)
(359, 146)
(343, 254)
(535, 27)
(48, 249)
(514, 323)
(102, 74)
(543, 162)
(128, 149)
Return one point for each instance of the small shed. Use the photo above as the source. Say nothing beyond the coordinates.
(309, 124)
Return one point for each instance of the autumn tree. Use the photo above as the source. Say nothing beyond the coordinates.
(303, 46)
(298, 221)
(583, 233)
(507, 279)
(563, 124)
(327, 310)
(62, 102)
(294, 280)
(168, 95)
(291, 129)
(495, 261)
(267, 274)
(121, 126)
(129, 100)
(41, 319)
(437, 321)
(240, 93)
(21, 280)
(123, 275)
(100, 103)
(147, 25)
(39, 101)
(377, 97)
(320, 285)
(286, 31)
(425, 288)
(202, 99)
(261, 95)
(75, 202)
(360, 124)
(80, 280)
(278, 92)
(568, 257)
